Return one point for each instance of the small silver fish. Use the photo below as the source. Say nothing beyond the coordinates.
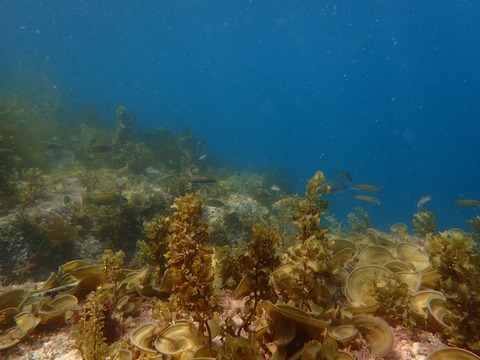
(423, 200)
(368, 198)
(366, 187)
(275, 188)
(468, 203)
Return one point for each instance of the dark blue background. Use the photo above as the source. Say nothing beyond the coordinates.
(387, 90)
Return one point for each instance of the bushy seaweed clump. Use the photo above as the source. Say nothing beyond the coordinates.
(393, 298)
(292, 282)
(475, 224)
(309, 210)
(306, 268)
(456, 257)
(307, 265)
(336, 227)
(61, 231)
(424, 222)
(102, 320)
(228, 265)
(258, 262)
(189, 260)
(155, 247)
(93, 341)
(359, 222)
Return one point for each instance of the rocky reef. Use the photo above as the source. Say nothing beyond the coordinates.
(162, 255)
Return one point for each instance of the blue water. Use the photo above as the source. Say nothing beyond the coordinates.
(386, 90)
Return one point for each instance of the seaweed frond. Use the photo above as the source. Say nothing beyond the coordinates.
(455, 256)
(359, 222)
(424, 222)
(92, 339)
(309, 210)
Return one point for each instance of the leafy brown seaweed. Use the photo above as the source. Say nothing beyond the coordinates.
(455, 255)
